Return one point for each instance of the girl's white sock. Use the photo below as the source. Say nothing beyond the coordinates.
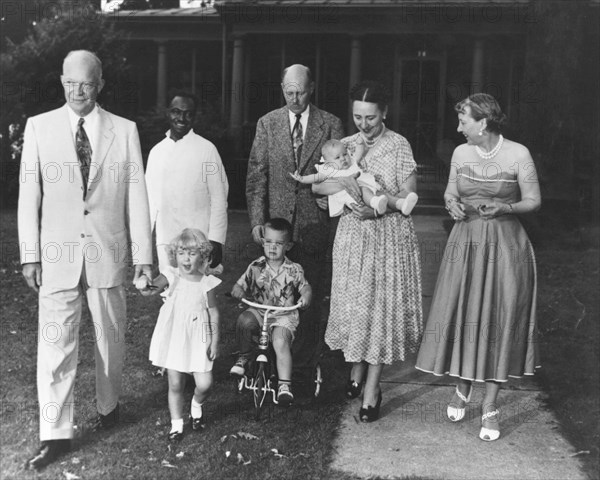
(177, 425)
(196, 410)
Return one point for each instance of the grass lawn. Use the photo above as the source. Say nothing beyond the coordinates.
(569, 321)
(295, 443)
(285, 443)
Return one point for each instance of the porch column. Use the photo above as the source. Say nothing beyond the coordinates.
(317, 72)
(477, 72)
(237, 78)
(193, 76)
(161, 75)
(355, 69)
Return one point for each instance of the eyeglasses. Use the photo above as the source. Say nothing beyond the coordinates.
(87, 86)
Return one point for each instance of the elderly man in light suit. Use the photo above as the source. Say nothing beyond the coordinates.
(83, 211)
(287, 140)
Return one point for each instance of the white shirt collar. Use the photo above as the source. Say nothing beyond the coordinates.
(90, 124)
(168, 135)
(90, 118)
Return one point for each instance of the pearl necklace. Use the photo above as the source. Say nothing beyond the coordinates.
(493, 152)
(371, 143)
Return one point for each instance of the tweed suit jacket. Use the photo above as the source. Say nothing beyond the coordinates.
(64, 231)
(270, 190)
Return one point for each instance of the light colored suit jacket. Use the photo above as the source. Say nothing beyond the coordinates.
(60, 229)
(270, 191)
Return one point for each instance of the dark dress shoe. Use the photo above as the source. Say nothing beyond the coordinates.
(175, 437)
(370, 414)
(105, 422)
(353, 389)
(197, 423)
(49, 451)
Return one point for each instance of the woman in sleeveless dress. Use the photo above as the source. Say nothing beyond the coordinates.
(375, 316)
(482, 321)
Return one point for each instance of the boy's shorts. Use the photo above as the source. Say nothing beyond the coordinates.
(289, 320)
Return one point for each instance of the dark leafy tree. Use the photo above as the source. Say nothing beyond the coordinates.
(559, 105)
(31, 71)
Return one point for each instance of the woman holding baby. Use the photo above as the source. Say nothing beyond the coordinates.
(375, 316)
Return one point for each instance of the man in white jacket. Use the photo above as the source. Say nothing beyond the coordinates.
(187, 184)
(83, 214)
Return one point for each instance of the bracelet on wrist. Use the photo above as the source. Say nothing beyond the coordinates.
(510, 208)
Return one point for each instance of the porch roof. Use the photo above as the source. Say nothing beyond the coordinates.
(179, 13)
(363, 3)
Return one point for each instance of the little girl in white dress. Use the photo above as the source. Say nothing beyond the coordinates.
(186, 335)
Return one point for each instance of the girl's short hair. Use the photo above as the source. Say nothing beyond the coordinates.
(483, 105)
(190, 239)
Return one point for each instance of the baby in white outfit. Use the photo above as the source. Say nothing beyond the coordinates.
(337, 163)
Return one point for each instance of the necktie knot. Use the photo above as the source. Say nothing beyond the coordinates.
(80, 122)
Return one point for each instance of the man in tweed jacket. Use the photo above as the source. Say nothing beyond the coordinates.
(271, 192)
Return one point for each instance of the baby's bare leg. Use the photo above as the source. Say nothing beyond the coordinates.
(367, 195)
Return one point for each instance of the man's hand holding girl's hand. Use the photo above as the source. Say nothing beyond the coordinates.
(144, 285)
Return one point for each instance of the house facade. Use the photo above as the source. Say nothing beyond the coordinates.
(430, 53)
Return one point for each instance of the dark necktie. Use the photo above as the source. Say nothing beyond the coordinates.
(297, 139)
(84, 153)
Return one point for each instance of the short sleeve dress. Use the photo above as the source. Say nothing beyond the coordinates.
(183, 333)
(482, 321)
(375, 314)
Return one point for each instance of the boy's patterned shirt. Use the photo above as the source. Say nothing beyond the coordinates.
(280, 288)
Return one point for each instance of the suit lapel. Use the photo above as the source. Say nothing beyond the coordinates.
(65, 136)
(283, 140)
(314, 133)
(106, 136)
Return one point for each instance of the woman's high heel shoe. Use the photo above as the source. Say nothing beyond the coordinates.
(353, 389)
(370, 414)
(456, 414)
(489, 434)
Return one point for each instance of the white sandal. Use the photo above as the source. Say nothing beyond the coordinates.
(456, 414)
(489, 434)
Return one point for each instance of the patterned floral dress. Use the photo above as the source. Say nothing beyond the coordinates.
(482, 322)
(376, 313)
